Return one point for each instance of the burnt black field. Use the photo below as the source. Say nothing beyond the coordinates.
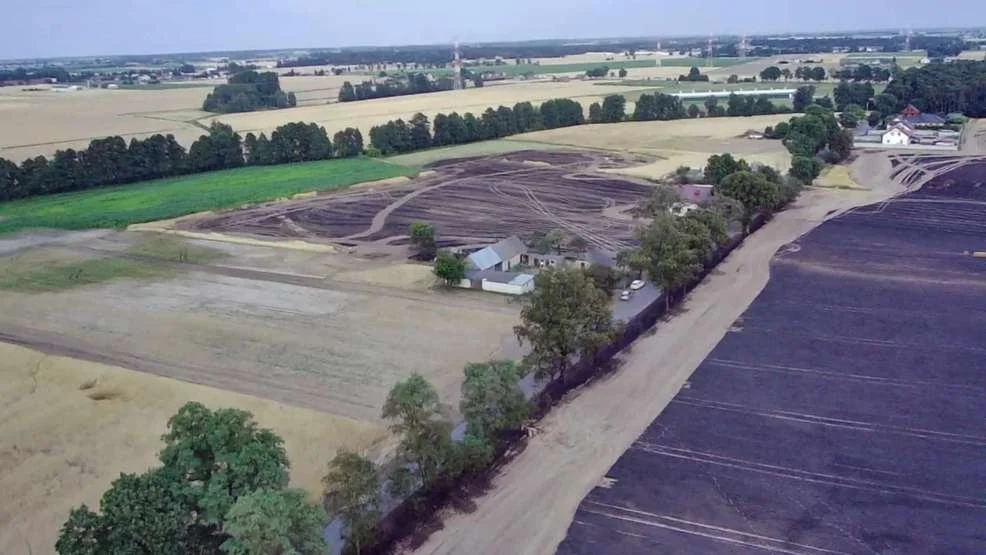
(846, 412)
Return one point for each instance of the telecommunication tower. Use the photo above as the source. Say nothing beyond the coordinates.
(907, 41)
(456, 68)
(709, 52)
(657, 54)
(744, 47)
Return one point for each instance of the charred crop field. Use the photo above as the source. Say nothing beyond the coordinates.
(469, 201)
(843, 413)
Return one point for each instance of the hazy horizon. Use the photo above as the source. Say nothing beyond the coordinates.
(53, 28)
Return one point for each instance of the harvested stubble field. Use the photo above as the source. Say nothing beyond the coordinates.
(169, 198)
(469, 201)
(687, 142)
(69, 427)
(311, 342)
(864, 434)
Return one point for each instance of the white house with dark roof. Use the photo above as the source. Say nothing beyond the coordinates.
(898, 134)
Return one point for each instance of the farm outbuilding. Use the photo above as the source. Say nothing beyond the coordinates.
(507, 283)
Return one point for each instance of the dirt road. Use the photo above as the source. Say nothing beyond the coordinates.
(533, 501)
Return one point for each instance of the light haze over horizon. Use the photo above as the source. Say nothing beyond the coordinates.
(57, 28)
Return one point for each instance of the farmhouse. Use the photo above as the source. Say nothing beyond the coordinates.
(916, 119)
(898, 134)
(500, 256)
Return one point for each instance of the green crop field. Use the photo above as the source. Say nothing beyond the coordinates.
(178, 196)
(512, 70)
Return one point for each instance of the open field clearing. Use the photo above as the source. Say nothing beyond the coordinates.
(309, 329)
(367, 113)
(864, 434)
(70, 427)
(471, 201)
(178, 196)
(675, 143)
(533, 499)
(44, 121)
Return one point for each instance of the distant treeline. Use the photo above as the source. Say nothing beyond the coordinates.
(399, 136)
(248, 91)
(111, 161)
(414, 83)
(44, 72)
(937, 46)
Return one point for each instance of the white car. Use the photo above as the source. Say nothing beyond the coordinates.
(637, 284)
(625, 296)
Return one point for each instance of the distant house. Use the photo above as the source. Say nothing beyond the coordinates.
(916, 119)
(697, 193)
(898, 134)
(507, 283)
(500, 256)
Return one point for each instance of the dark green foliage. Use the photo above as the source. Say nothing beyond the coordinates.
(348, 143)
(492, 401)
(614, 108)
(749, 105)
(211, 461)
(772, 73)
(221, 149)
(561, 112)
(271, 521)
(595, 113)
(757, 194)
(247, 91)
(352, 487)
(840, 145)
(526, 118)
(449, 268)
(805, 168)
(668, 254)
(803, 96)
(420, 132)
(694, 111)
(721, 165)
(601, 71)
(420, 420)
(603, 277)
(847, 94)
(958, 86)
(825, 102)
(694, 75)
(658, 106)
(423, 243)
(413, 83)
(566, 316)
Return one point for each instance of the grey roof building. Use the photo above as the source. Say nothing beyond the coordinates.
(499, 256)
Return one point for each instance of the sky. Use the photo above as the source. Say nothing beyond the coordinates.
(50, 28)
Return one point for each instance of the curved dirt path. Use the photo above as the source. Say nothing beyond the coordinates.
(533, 500)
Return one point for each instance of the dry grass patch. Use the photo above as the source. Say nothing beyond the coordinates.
(70, 427)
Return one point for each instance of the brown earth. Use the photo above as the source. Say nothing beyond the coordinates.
(535, 496)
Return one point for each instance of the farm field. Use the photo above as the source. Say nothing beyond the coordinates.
(864, 434)
(39, 123)
(482, 148)
(687, 142)
(535, 497)
(70, 427)
(469, 201)
(178, 196)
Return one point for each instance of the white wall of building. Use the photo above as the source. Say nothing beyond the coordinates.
(507, 288)
(896, 137)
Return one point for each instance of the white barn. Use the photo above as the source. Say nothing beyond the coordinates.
(898, 134)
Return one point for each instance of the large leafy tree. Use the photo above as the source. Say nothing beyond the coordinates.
(422, 235)
(565, 317)
(352, 486)
(661, 199)
(614, 108)
(672, 263)
(419, 418)
(274, 522)
(719, 166)
(492, 400)
(211, 460)
(449, 268)
(757, 194)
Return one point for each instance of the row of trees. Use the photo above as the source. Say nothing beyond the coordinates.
(221, 487)
(694, 75)
(248, 91)
(398, 136)
(412, 83)
(958, 86)
(112, 161)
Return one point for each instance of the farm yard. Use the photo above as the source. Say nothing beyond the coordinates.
(471, 201)
(865, 433)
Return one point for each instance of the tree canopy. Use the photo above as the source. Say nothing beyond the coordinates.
(352, 486)
(449, 268)
(566, 316)
(492, 401)
(757, 194)
(282, 522)
(248, 91)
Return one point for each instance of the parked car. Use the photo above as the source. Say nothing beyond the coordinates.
(637, 284)
(625, 296)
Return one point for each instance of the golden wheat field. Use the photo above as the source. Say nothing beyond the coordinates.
(70, 427)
